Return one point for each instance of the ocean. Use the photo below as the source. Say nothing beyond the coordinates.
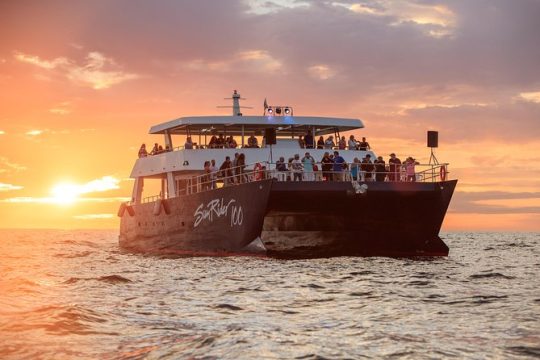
(76, 295)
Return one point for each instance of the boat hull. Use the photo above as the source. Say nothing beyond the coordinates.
(221, 221)
(314, 219)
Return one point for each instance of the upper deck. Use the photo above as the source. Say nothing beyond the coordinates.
(241, 125)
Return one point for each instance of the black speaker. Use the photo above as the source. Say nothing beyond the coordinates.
(432, 139)
(270, 136)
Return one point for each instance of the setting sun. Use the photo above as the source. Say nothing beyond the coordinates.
(65, 193)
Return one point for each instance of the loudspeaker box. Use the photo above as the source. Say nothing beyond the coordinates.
(432, 139)
(270, 136)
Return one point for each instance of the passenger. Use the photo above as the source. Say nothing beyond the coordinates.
(380, 169)
(409, 168)
(213, 142)
(367, 168)
(320, 143)
(355, 168)
(226, 171)
(252, 142)
(329, 143)
(301, 142)
(308, 140)
(160, 149)
(213, 173)
(155, 149)
(220, 142)
(289, 169)
(342, 143)
(231, 143)
(339, 166)
(205, 179)
(395, 166)
(326, 166)
(364, 145)
(280, 164)
(297, 168)
(308, 162)
(142, 151)
(240, 168)
(188, 144)
(235, 166)
(352, 143)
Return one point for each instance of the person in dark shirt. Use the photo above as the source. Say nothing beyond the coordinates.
(326, 165)
(213, 142)
(220, 142)
(395, 165)
(320, 143)
(308, 140)
(364, 145)
(367, 168)
(339, 164)
(155, 149)
(225, 171)
(280, 164)
(380, 169)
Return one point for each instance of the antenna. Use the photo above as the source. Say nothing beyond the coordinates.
(236, 104)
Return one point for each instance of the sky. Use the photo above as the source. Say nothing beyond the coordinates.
(81, 82)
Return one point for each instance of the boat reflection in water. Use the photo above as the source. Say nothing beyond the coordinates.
(258, 208)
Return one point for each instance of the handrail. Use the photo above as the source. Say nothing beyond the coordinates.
(266, 170)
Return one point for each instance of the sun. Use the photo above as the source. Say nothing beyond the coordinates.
(65, 193)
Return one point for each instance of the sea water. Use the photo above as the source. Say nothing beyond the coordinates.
(75, 294)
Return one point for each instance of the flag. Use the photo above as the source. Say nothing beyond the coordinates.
(265, 104)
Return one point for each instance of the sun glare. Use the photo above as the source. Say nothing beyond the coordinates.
(65, 193)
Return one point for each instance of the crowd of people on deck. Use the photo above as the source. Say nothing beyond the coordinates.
(333, 166)
(157, 149)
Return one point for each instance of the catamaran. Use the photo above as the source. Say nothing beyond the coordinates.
(258, 206)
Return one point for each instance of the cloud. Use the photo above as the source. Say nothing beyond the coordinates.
(263, 7)
(98, 72)
(531, 96)
(94, 216)
(435, 20)
(9, 187)
(321, 72)
(6, 166)
(44, 64)
(496, 202)
(63, 108)
(34, 132)
(243, 61)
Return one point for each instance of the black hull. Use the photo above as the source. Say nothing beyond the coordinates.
(222, 221)
(297, 220)
(398, 219)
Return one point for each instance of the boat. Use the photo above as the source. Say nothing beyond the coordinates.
(261, 208)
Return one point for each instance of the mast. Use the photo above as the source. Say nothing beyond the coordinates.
(236, 104)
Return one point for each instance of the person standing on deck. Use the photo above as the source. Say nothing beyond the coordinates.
(380, 169)
(142, 151)
(213, 173)
(352, 143)
(226, 171)
(364, 145)
(329, 143)
(326, 166)
(308, 162)
(409, 168)
(320, 143)
(297, 168)
(395, 165)
(308, 139)
(339, 166)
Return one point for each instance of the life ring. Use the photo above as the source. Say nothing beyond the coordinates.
(258, 172)
(442, 172)
(166, 206)
(130, 210)
(157, 208)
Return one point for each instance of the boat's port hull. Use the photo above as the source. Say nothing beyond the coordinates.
(214, 222)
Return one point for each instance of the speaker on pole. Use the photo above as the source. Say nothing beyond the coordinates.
(270, 136)
(432, 139)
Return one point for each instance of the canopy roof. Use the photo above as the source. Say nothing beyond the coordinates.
(234, 125)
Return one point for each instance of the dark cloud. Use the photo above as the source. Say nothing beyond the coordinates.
(470, 202)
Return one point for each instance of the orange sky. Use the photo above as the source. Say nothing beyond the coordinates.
(82, 82)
